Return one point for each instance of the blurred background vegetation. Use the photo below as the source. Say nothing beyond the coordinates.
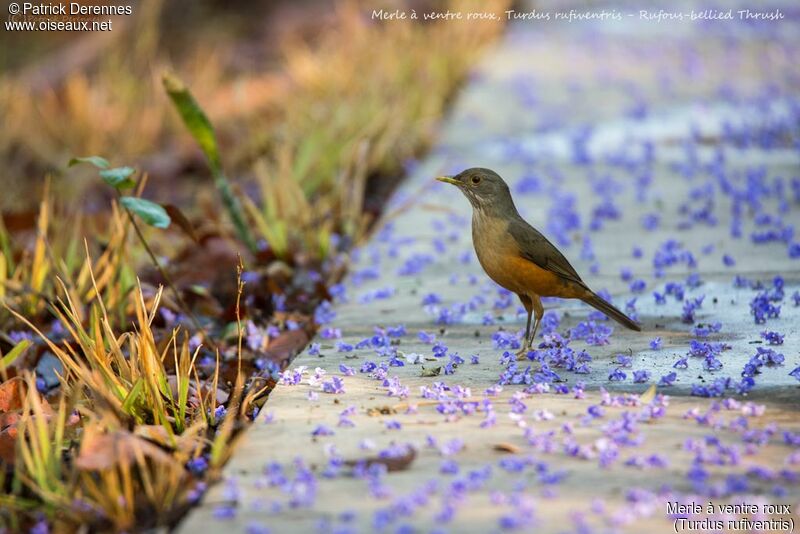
(125, 375)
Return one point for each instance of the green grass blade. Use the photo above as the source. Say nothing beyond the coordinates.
(195, 119)
(132, 398)
(15, 353)
(198, 124)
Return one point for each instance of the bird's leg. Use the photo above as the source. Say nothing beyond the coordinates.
(528, 330)
(523, 352)
(538, 311)
(535, 328)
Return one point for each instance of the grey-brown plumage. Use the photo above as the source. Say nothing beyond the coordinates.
(517, 256)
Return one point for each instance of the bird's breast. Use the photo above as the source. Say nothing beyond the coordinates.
(499, 255)
(495, 249)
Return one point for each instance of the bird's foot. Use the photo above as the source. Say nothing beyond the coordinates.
(522, 354)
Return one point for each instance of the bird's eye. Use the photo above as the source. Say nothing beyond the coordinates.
(476, 180)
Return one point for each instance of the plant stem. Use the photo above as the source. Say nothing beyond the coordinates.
(170, 284)
(234, 208)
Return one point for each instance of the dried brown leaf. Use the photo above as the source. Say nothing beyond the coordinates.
(10, 418)
(180, 219)
(8, 443)
(12, 393)
(105, 451)
(393, 463)
(286, 346)
(380, 410)
(506, 447)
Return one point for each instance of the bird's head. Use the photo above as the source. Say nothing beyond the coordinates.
(484, 189)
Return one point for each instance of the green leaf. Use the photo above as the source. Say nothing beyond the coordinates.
(133, 397)
(195, 120)
(15, 353)
(119, 177)
(150, 212)
(97, 161)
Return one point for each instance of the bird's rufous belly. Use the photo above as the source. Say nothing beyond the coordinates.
(524, 277)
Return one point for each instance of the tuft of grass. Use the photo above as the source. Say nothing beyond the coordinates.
(141, 412)
(29, 274)
(128, 373)
(121, 474)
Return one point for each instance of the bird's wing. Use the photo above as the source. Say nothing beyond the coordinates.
(535, 247)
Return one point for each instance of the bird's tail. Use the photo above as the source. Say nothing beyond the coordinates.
(599, 303)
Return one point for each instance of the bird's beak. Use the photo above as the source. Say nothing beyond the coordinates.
(448, 180)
